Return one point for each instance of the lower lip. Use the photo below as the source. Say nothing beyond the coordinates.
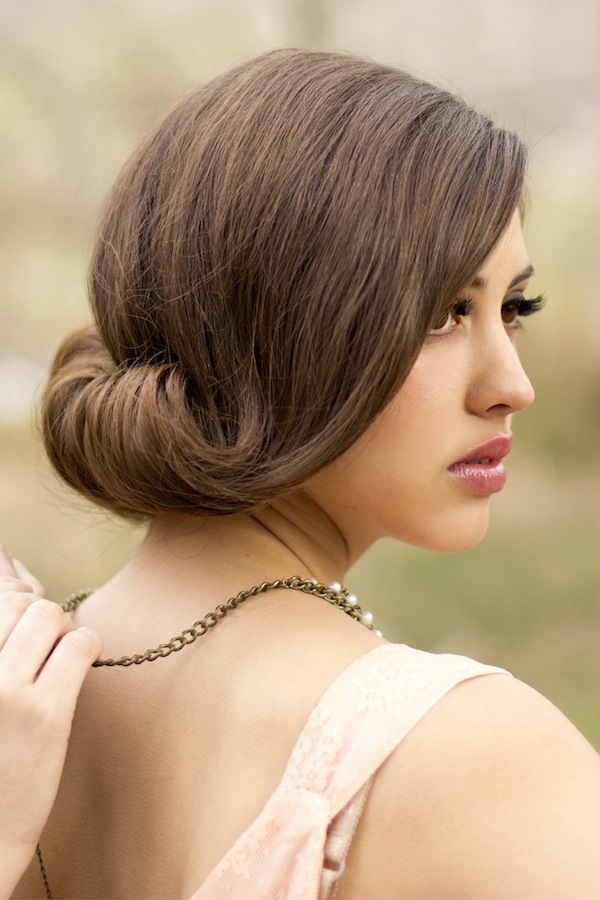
(485, 478)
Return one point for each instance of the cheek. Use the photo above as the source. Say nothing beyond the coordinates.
(394, 479)
(401, 449)
(394, 462)
(417, 420)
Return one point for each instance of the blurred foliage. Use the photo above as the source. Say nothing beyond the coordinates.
(82, 80)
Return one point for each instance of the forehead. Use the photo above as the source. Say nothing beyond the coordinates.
(509, 258)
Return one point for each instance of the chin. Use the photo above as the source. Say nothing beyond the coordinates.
(454, 536)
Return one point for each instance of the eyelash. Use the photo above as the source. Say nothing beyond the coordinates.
(523, 306)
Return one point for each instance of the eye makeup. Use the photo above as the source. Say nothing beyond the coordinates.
(511, 311)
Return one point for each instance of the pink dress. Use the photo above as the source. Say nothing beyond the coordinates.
(295, 849)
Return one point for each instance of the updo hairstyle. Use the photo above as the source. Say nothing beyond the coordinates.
(264, 275)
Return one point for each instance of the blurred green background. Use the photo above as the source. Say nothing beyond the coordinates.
(82, 80)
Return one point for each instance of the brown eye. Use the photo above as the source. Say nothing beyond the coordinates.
(510, 312)
(513, 310)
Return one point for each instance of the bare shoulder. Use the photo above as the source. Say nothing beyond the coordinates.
(494, 793)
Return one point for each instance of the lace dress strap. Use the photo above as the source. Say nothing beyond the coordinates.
(366, 712)
(296, 847)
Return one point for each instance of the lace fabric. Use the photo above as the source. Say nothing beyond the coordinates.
(296, 847)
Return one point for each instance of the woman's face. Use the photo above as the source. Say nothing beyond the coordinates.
(425, 470)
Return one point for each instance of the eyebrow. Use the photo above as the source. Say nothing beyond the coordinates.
(479, 281)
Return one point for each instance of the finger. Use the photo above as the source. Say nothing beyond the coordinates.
(25, 575)
(6, 564)
(66, 667)
(12, 583)
(12, 606)
(31, 641)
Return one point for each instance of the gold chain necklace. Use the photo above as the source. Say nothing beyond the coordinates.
(334, 593)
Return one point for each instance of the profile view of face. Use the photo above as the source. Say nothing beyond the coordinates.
(425, 470)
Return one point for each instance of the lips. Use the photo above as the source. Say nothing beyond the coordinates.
(492, 451)
(481, 469)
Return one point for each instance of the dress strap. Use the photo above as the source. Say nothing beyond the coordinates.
(339, 837)
(297, 845)
(366, 712)
(448, 671)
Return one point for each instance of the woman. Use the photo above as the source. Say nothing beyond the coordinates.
(307, 286)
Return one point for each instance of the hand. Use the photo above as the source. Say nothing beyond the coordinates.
(43, 663)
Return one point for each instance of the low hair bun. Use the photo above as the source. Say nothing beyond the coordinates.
(133, 438)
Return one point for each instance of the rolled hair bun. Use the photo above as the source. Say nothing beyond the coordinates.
(266, 270)
(131, 438)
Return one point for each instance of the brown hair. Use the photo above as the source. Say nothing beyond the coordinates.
(267, 267)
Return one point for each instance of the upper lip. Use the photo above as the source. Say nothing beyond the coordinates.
(497, 448)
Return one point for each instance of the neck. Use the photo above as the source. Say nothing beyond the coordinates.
(291, 537)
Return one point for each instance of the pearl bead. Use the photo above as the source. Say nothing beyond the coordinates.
(367, 618)
(335, 586)
(352, 600)
(377, 632)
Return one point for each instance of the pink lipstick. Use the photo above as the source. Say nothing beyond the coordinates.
(481, 469)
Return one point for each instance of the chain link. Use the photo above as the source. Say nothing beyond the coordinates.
(333, 593)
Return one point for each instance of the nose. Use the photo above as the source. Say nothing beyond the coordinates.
(500, 386)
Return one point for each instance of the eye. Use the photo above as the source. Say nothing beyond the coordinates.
(449, 321)
(519, 307)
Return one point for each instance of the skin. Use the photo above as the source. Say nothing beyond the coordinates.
(462, 391)
(43, 661)
(509, 808)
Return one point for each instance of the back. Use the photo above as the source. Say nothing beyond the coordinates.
(170, 762)
(178, 771)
